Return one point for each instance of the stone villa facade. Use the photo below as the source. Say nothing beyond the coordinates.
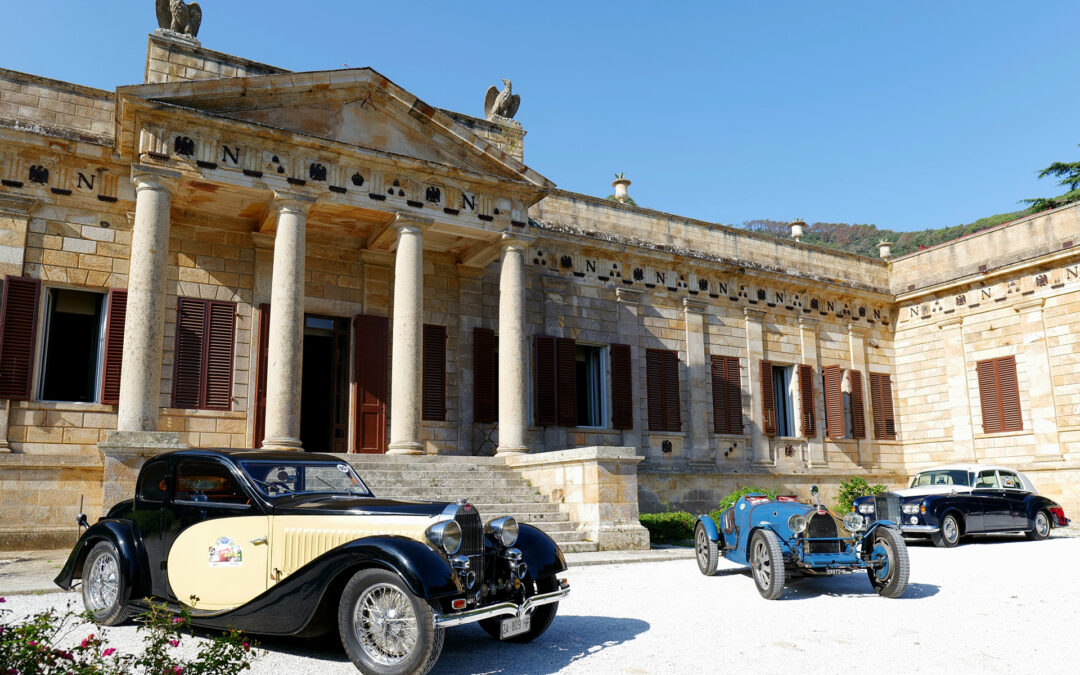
(234, 255)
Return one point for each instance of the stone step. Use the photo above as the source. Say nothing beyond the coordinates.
(441, 479)
(524, 516)
(504, 508)
(579, 547)
(473, 494)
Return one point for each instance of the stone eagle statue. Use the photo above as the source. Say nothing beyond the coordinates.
(501, 103)
(179, 17)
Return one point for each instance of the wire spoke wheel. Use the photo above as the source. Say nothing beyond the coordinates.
(103, 584)
(761, 563)
(385, 624)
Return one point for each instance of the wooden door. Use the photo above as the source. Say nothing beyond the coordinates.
(260, 376)
(370, 343)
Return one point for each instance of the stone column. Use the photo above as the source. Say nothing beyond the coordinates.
(956, 379)
(760, 448)
(140, 380)
(697, 376)
(857, 345)
(629, 330)
(408, 336)
(558, 300)
(14, 222)
(1035, 364)
(513, 347)
(285, 344)
(815, 443)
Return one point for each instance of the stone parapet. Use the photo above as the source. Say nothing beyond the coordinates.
(596, 486)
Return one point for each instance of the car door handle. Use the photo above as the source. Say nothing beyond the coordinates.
(260, 540)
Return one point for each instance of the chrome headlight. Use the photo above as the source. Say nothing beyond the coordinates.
(505, 530)
(910, 509)
(853, 522)
(866, 507)
(445, 534)
(797, 523)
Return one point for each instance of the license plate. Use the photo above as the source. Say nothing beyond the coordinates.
(833, 570)
(515, 625)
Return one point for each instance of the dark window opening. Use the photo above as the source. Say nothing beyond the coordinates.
(324, 392)
(589, 366)
(72, 346)
(785, 425)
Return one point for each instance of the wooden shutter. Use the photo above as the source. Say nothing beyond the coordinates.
(114, 346)
(220, 339)
(834, 403)
(18, 314)
(485, 405)
(622, 388)
(654, 384)
(434, 377)
(858, 420)
(881, 400)
(187, 368)
(371, 346)
(999, 395)
(768, 400)
(546, 412)
(806, 400)
(988, 396)
(734, 396)
(262, 362)
(566, 384)
(727, 395)
(672, 412)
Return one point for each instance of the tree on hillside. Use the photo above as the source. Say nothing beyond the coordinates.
(1069, 173)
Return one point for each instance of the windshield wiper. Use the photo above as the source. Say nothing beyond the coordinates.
(273, 486)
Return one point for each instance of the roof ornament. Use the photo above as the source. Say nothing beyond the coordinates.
(179, 17)
(501, 105)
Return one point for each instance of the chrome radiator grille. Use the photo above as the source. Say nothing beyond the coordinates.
(887, 507)
(472, 530)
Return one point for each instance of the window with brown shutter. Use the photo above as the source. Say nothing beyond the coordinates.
(858, 421)
(18, 330)
(622, 388)
(546, 411)
(727, 395)
(434, 376)
(485, 403)
(566, 382)
(662, 382)
(114, 346)
(834, 402)
(881, 403)
(768, 400)
(999, 394)
(203, 365)
(806, 400)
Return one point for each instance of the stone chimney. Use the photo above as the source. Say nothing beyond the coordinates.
(797, 229)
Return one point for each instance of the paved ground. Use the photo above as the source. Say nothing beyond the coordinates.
(1002, 605)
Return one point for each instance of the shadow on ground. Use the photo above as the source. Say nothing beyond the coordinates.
(848, 584)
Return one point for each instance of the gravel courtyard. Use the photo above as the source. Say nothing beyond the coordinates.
(1001, 605)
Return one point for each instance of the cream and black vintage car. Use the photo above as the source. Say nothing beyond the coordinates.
(295, 544)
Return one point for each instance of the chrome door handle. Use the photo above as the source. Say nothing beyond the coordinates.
(260, 540)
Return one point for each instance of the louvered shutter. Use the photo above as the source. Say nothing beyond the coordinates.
(114, 346)
(886, 404)
(858, 421)
(734, 396)
(220, 338)
(719, 395)
(881, 400)
(672, 412)
(834, 403)
(546, 412)
(187, 367)
(262, 362)
(806, 399)
(988, 397)
(434, 376)
(566, 384)
(1008, 387)
(622, 388)
(768, 400)
(485, 406)
(654, 383)
(18, 312)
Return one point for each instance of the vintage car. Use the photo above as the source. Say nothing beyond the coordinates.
(783, 539)
(293, 543)
(951, 501)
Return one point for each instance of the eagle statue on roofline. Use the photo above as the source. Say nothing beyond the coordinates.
(501, 104)
(179, 16)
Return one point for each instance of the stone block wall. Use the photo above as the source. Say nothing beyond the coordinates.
(170, 59)
(39, 104)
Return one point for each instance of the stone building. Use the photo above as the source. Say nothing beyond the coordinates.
(234, 255)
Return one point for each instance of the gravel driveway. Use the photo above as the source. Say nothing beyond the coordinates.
(999, 605)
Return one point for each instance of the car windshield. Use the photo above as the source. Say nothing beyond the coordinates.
(941, 477)
(275, 478)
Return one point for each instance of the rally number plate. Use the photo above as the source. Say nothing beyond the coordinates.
(515, 625)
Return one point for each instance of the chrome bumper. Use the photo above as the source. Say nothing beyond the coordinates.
(502, 609)
(919, 529)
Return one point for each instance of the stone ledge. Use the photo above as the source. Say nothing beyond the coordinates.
(590, 453)
(18, 460)
(39, 538)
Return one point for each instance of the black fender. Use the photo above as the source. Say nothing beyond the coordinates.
(287, 607)
(542, 556)
(125, 536)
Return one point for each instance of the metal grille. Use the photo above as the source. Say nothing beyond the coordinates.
(472, 530)
(822, 526)
(887, 507)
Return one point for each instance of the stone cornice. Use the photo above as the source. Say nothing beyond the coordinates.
(16, 205)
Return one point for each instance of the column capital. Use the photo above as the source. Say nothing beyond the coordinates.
(292, 202)
(628, 296)
(512, 240)
(808, 322)
(146, 177)
(753, 314)
(855, 331)
(692, 305)
(1029, 305)
(410, 221)
(957, 321)
(16, 205)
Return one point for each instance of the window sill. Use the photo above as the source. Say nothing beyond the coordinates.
(66, 406)
(1006, 434)
(198, 412)
(734, 437)
(594, 430)
(681, 434)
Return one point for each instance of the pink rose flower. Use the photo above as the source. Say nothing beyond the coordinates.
(177, 670)
(174, 643)
(247, 647)
(178, 619)
(109, 652)
(2, 599)
(32, 643)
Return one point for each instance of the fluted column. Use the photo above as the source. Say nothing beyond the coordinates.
(140, 378)
(285, 345)
(408, 335)
(513, 346)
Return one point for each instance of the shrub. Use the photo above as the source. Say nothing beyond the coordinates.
(670, 527)
(852, 488)
(729, 501)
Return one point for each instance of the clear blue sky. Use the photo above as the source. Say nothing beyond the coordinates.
(906, 115)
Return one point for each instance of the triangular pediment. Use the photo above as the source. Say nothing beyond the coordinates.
(357, 107)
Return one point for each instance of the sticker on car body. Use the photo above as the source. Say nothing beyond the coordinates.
(226, 553)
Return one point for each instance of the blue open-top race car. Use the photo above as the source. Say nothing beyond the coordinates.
(784, 539)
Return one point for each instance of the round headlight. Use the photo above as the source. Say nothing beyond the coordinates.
(446, 535)
(853, 522)
(797, 523)
(910, 508)
(505, 530)
(866, 507)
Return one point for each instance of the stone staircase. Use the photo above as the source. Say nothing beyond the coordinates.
(486, 482)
